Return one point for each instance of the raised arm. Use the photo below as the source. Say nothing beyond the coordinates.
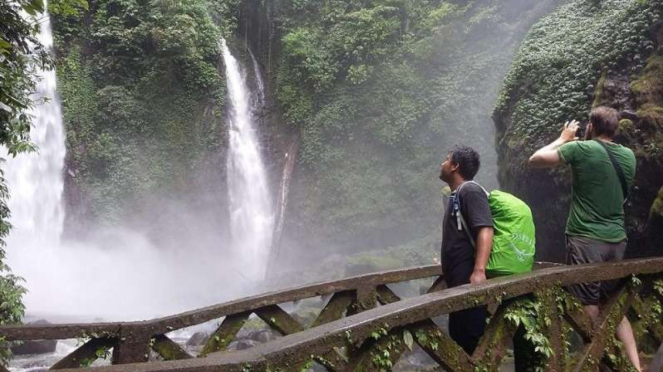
(547, 156)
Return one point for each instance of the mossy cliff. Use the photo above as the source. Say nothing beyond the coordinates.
(379, 91)
(585, 54)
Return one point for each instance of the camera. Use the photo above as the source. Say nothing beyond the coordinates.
(580, 133)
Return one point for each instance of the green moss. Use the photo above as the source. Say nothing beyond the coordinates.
(626, 126)
(648, 88)
(600, 96)
(564, 55)
(657, 207)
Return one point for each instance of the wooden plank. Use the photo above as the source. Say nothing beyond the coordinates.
(434, 341)
(225, 334)
(84, 355)
(367, 298)
(333, 361)
(380, 353)
(554, 330)
(578, 319)
(386, 295)
(440, 347)
(279, 320)
(169, 349)
(133, 346)
(335, 308)
(438, 285)
(492, 346)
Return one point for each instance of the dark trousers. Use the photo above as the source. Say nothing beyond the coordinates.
(466, 326)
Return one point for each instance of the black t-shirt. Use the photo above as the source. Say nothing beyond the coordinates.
(457, 250)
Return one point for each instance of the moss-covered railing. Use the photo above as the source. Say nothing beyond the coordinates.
(131, 342)
(374, 337)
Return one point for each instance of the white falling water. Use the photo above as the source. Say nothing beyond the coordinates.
(117, 274)
(261, 84)
(35, 179)
(252, 217)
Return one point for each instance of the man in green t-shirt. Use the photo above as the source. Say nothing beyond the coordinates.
(595, 230)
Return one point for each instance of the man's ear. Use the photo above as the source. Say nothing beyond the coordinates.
(454, 166)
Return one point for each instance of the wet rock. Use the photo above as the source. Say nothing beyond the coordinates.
(262, 336)
(34, 347)
(198, 339)
(245, 344)
(628, 114)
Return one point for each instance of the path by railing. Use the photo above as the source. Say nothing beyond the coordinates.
(374, 337)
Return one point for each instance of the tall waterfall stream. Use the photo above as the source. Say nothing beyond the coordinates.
(251, 210)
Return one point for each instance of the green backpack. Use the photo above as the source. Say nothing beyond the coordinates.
(514, 237)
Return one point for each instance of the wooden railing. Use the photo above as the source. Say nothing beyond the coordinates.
(373, 337)
(131, 342)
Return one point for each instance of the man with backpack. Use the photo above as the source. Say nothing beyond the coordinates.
(484, 235)
(603, 172)
(460, 264)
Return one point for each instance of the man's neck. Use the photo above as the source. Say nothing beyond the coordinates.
(603, 138)
(455, 183)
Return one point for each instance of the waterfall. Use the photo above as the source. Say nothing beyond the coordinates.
(251, 214)
(259, 82)
(35, 179)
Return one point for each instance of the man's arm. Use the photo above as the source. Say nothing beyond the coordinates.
(547, 156)
(484, 247)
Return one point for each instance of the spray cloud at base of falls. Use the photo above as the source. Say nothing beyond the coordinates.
(113, 273)
(251, 211)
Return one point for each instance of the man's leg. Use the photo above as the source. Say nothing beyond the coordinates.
(608, 288)
(467, 326)
(592, 311)
(625, 335)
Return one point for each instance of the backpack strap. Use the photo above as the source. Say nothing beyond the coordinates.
(618, 169)
(460, 220)
(467, 230)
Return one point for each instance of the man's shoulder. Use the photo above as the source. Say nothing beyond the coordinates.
(626, 151)
(471, 187)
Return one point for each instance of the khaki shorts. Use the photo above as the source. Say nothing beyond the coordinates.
(580, 250)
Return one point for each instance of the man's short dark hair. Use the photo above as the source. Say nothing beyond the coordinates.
(605, 120)
(467, 159)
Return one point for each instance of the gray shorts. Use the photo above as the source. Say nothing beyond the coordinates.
(580, 250)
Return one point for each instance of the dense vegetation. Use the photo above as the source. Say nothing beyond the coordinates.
(380, 91)
(587, 53)
(377, 90)
(143, 101)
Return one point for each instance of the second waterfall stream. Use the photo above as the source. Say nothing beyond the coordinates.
(251, 210)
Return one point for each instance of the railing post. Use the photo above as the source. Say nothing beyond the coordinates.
(133, 346)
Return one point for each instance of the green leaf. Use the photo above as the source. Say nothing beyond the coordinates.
(408, 339)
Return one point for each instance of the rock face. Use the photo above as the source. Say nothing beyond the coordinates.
(586, 54)
(198, 339)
